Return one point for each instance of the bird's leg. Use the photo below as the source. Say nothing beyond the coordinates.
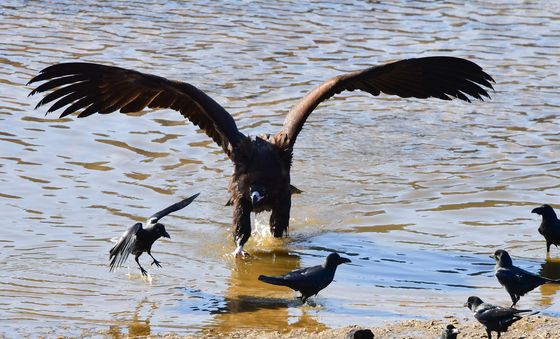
(280, 216)
(548, 247)
(141, 268)
(303, 299)
(489, 333)
(155, 261)
(241, 226)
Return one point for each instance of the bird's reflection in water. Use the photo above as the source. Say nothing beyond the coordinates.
(136, 327)
(253, 304)
(550, 269)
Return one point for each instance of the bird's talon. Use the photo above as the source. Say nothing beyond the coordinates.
(240, 253)
(157, 263)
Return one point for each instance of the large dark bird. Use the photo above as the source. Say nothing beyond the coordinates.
(137, 240)
(309, 281)
(261, 176)
(550, 226)
(517, 281)
(494, 318)
(450, 332)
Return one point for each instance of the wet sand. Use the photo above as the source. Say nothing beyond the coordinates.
(536, 326)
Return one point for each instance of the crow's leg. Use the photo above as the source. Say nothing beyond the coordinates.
(141, 268)
(280, 216)
(155, 261)
(241, 225)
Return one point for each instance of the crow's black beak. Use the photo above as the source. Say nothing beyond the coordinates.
(343, 260)
(536, 210)
(493, 256)
(166, 235)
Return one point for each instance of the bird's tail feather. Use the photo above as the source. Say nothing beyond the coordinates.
(271, 280)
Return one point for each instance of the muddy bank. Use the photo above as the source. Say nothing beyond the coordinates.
(536, 326)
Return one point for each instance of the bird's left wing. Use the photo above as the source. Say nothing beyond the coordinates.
(440, 77)
(173, 208)
(120, 251)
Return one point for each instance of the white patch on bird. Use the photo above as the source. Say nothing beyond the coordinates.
(151, 222)
(256, 195)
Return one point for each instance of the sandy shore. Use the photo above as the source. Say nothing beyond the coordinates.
(536, 326)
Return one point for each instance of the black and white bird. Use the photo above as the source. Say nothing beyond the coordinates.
(309, 281)
(137, 239)
(494, 318)
(516, 281)
(449, 332)
(550, 225)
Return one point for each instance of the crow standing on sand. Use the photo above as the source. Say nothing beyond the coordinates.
(450, 332)
(309, 281)
(137, 240)
(261, 176)
(494, 318)
(550, 225)
(517, 281)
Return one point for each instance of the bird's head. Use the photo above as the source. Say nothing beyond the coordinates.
(451, 331)
(257, 192)
(544, 210)
(160, 230)
(473, 302)
(333, 260)
(262, 174)
(502, 258)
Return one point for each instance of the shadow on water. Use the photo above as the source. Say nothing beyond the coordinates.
(138, 326)
(550, 269)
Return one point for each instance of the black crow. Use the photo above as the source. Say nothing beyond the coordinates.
(450, 332)
(494, 318)
(137, 240)
(517, 281)
(550, 226)
(309, 281)
(261, 176)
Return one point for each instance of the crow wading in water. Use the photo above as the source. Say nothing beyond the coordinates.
(261, 175)
(137, 240)
(308, 281)
(516, 281)
(550, 226)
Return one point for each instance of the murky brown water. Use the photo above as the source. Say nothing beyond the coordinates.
(418, 193)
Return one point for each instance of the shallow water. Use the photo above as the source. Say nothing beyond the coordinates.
(417, 193)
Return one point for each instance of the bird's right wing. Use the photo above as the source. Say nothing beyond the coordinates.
(95, 88)
(120, 251)
(492, 313)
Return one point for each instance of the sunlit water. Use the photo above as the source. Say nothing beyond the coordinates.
(417, 193)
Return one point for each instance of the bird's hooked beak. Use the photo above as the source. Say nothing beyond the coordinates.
(257, 195)
(166, 235)
(493, 256)
(343, 260)
(537, 210)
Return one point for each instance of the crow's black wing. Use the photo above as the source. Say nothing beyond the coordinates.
(175, 207)
(120, 251)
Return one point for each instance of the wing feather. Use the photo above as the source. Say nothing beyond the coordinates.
(95, 88)
(122, 249)
(439, 77)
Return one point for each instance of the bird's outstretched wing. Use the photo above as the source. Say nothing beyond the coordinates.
(95, 88)
(119, 253)
(175, 207)
(440, 77)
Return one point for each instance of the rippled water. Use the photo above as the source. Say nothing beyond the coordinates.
(417, 192)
